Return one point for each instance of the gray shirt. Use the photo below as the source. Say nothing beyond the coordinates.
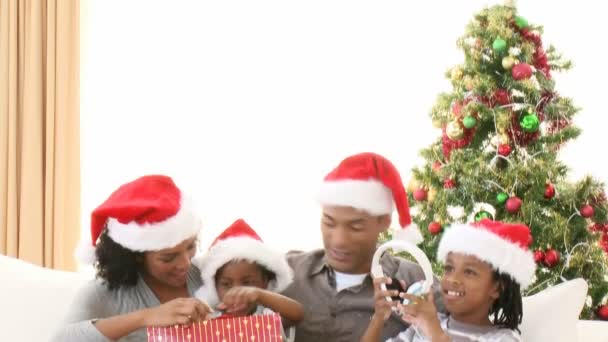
(332, 316)
(95, 301)
(461, 332)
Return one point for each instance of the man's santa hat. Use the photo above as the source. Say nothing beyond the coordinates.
(370, 182)
(147, 214)
(240, 242)
(502, 245)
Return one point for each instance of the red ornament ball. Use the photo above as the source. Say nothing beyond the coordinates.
(449, 183)
(521, 71)
(501, 97)
(513, 204)
(549, 191)
(420, 194)
(539, 256)
(434, 228)
(504, 149)
(602, 312)
(551, 258)
(587, 211)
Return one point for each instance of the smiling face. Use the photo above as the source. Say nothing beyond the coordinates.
(350, 237)
(170, 266)
(469, 288)
(239, 273)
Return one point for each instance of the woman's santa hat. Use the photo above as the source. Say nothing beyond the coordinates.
(370, 182)
(147, 214)
(502, 245)
(240, 242)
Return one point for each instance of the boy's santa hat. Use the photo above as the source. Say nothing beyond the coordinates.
(502, 245)
(370, 182)
(240, 242)
(147, 214)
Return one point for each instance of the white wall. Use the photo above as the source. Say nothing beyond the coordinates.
(247, 104)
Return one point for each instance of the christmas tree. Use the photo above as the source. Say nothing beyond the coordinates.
(502, 126)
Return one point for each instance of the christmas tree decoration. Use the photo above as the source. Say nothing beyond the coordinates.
(420, 194)
(483, 215)
(529, 123)
(508, 62)
(449, 183)
(413, 185)
(501, 97)
(513, 204)
(454, 130)
(602, 312)
(509, 107)
(549, 191)
(521, 71)
(499, 45)
(587, 211)
(551, 258)
(521, 22)
(504, 150)
(501, 198)
(456, 74)
(539, 256)
(432, 194)
(437, 123)
(434, 228)
(469, 121)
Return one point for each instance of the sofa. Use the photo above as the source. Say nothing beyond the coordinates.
(34, 300)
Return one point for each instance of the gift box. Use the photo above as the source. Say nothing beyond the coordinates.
(252, 328)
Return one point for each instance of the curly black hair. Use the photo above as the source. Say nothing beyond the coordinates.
(507, 309)
(116, 265)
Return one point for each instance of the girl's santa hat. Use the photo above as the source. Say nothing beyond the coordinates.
(147, 214)
(240, 242)
(502, 245)
(370, 182)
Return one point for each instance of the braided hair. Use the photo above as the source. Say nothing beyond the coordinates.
(507, 309)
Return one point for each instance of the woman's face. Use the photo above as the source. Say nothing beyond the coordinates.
(170, 266)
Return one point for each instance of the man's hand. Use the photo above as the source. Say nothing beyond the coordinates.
(383, 307)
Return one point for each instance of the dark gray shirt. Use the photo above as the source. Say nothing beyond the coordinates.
(331, 316)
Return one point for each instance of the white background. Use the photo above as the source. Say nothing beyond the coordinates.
(248, 104)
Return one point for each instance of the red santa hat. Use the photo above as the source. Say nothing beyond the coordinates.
(370, 182)
(240, 242)
(502, 245)
(147, 214)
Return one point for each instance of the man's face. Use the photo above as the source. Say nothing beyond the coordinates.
(350, 237)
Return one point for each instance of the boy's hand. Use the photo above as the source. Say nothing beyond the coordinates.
(421, 312)
(383, 307)
(240, 300)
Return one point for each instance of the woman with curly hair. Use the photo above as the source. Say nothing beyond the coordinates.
(143, 238)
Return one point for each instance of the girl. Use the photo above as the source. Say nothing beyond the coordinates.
(486, 265)
(242, 276)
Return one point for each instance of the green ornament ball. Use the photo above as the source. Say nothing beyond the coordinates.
(469, 121)
(501, 198)
(521, 22)
(529, 123)
(499, 45)
(483, 215)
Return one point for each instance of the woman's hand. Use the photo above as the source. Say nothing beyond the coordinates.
(178, 311)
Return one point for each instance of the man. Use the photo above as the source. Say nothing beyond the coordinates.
(334, 284)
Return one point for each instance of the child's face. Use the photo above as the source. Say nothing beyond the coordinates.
(239, 273)
(469, 288)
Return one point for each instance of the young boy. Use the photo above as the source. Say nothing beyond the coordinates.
(242, 276)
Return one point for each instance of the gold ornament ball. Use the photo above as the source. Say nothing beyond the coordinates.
(469, 83)
(508, 62)
(413, 185)
(456, 73)
(431, 195)
(454, 130)
(437, 123)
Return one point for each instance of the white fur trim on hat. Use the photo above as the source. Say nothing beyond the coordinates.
(240, 248)
(409, 233)
(85, 252)
(503, 255)
(156, 236)
(370, 195)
